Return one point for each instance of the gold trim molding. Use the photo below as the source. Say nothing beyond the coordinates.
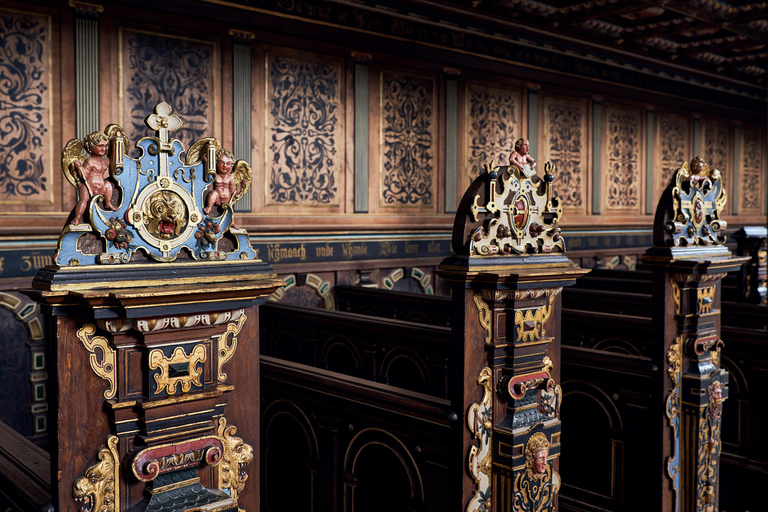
(104, 367)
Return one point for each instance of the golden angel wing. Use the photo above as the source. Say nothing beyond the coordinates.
(72, 152)
(243, 176)
(196, 152)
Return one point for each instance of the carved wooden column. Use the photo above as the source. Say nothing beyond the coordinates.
(153, 314)
(508, 269)
(689, 261)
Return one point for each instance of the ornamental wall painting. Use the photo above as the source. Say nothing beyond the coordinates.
(622, 159)
(672, 148)
(494, 123)
(408, 120)
(26, 157)
(304, 132)
(752, 175)
(565, 142)
(180, 71)
(716, 148)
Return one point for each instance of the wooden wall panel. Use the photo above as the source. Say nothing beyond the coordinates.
(673, 146)
(180, 71)
(26, 146)
(404, 175)
(623, 162)
(752, 196)
(565, 141)
(494, 121)
(717, 148)
(304, 144)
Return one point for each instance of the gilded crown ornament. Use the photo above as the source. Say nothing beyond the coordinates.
(510, 211)
(159, 204)
(691, 206)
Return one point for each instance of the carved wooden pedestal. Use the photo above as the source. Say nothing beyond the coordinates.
(689, 262)
(506, 363)
(156, 384)
(505, 278)
(152, 305)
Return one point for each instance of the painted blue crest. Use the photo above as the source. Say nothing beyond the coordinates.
(161, 205)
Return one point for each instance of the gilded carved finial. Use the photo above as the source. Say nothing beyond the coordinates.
(689, 211)
(510, 210)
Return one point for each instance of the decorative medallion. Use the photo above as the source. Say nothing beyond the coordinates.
(99, 487)
(514, 214)
(480, 460)
(155, 203)
(102, 357)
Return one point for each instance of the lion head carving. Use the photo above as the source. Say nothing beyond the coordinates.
(165, 214)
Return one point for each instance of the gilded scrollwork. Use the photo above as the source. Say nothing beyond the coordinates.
(99, 487)
(480, 460)
(709, 445)
(529, 323)
(675, 361)
(694, 208)
(522, 218)
(104, 365)
(190, 376)
(484, 315)
(228, 344)
(705, 297)
(676, 295)
(237, 455)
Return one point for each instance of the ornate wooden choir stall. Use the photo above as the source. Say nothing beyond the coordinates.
(152, 311)
(689, 262)
(507, 271)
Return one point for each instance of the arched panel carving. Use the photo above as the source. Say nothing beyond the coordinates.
(381, 474)
(339, 355)
(595, 435)
(289, 458)
(405, 370)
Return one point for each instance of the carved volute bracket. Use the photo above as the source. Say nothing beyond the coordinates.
(103, 365)
(484, 316)
(99, 487)
(228, 344)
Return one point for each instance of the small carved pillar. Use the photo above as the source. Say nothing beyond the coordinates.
(152, 307)
(507, 271)
(688, 262)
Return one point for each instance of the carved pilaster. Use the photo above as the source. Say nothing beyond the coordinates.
(689, 262)
(506, 274)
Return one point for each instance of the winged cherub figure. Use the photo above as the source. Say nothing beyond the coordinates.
(88, 175)
(228, 186)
